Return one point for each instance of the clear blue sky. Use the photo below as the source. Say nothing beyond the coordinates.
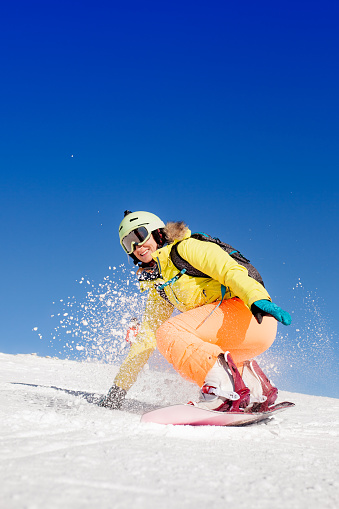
(223, 114)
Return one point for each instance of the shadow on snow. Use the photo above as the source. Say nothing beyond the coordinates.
(129, 405)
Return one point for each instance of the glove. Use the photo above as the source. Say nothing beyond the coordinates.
(114, 398)
(262, 308)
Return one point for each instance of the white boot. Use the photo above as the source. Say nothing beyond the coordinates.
(223, 386)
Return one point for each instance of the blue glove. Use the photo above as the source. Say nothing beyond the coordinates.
(261, 308)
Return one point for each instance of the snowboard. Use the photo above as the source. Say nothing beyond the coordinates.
(194, 416)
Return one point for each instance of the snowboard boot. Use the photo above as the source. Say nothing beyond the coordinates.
(114, 398)
(223, 389)
(262, 392)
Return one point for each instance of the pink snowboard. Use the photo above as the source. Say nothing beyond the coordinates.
(194, 416)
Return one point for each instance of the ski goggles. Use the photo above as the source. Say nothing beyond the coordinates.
(136, 237)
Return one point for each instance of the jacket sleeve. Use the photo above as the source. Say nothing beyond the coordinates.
(156, 312)
(220, 266)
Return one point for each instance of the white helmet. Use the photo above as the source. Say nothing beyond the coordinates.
(136, 228)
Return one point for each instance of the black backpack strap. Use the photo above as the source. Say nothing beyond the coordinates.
(180, 263)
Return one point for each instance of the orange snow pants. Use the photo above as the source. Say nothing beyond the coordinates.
(192, 347)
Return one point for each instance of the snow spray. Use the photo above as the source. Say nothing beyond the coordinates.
(302, 357)
(93, 325)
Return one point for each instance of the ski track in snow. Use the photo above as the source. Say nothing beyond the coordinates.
(60, 450)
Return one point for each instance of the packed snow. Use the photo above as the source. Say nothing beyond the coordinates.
(60, 450)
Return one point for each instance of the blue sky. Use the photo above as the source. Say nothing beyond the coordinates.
(224, 115)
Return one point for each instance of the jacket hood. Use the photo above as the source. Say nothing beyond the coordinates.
(176, 231)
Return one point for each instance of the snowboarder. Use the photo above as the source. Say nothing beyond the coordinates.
(226, 319)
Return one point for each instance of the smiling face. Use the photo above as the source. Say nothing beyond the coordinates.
(144, 252)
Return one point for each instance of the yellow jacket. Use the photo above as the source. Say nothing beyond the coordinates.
(186, 293)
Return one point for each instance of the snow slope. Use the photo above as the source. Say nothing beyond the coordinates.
(59, 450)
